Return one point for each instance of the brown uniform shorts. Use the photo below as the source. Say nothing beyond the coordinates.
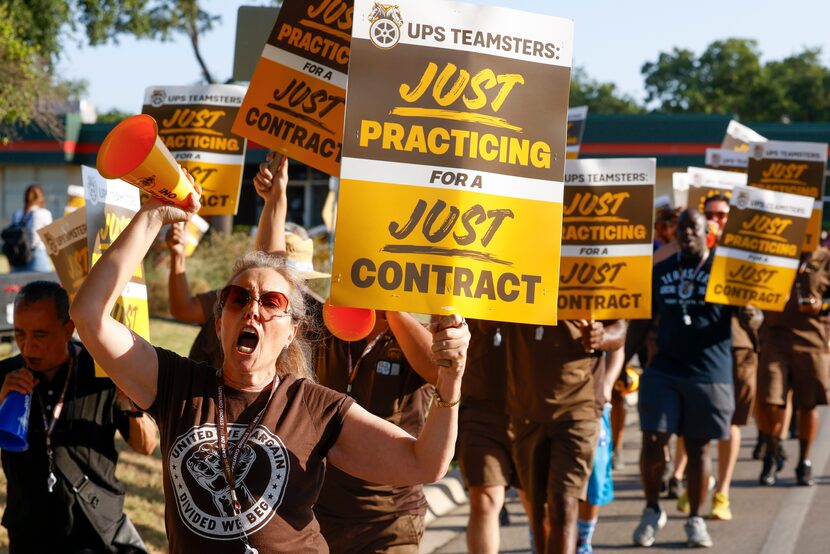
(483, 449)
(744, 375)
(805, 371)
(554, 458)
(399, 535)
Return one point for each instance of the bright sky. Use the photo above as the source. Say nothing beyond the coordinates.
(612, 41)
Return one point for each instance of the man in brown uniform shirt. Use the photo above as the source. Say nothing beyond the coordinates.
(483, 448)
(551, 403)
(389, 373)
(795, 356)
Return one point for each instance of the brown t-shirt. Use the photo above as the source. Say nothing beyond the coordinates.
(386, 385)
(279, 475)
(484, 385)
(793, 327)
(206, 346)
(549, 374)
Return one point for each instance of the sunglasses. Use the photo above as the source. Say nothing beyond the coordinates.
(716, 215)
(271, 303)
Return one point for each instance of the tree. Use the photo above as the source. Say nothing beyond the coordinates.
(32, 33)
(603, 98)
(729, 78)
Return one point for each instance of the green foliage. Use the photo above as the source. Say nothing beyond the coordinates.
(208, 268)
(21, 73)
(32, 33)
(113, 116)
(730, 78)
(601, 98)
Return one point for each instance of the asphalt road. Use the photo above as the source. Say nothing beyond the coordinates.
(780, 520)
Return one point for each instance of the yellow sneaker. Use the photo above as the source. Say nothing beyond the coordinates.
(683, 503)
(720, 507)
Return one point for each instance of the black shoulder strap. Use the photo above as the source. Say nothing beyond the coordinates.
(67, 467)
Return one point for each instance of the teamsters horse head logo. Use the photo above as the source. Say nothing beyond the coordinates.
(385, 31)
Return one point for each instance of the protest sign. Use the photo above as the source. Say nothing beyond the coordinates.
(738, 137)
(760, 247)
(74, 198)
(296, 98)
(607, 239)
(195, 125)
(795, 168)
(196, 229)
(727, 160)
(576, 129)
(454, 151)
(704, 183)
(680, 189)
(110, 205)
(66, 243)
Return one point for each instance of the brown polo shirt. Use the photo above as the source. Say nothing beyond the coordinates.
(792, 326)
(485, 376)
(386, 385)
(550, 375)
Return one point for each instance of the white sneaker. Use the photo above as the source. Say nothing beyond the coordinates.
(696, 533)
(652, 521)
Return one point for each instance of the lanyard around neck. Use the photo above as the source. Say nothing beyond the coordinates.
(229, 462)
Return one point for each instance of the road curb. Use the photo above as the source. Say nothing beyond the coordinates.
(445, 495)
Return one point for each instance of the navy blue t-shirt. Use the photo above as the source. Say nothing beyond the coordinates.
(701, 350)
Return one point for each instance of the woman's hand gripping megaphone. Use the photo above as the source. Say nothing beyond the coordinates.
(168, 212)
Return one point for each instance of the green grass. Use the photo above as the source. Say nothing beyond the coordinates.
(141, 475)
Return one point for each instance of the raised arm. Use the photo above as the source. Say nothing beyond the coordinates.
(129, 360)
(271, 184)
(396, 458)
(416, 343)
(183, 306)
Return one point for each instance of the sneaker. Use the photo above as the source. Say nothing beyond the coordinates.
(651, 522)
(675, 486)
(768, 472)
(804, 473)
(683, 503)
(584, 548)
(720, 507)
(696, 534)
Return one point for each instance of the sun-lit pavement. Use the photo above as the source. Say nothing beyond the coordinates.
(779, 520)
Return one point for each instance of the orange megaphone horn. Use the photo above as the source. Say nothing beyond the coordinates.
(133, 151)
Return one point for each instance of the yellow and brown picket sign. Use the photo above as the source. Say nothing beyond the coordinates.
(576, 129)
(705, 183)
(758, 256)
(66, 243)
(454, 150)
(727, 160)
(607, 239)
(194, 123)
(110, 206)
(794, 168)
(297, 96)
(738, 137)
